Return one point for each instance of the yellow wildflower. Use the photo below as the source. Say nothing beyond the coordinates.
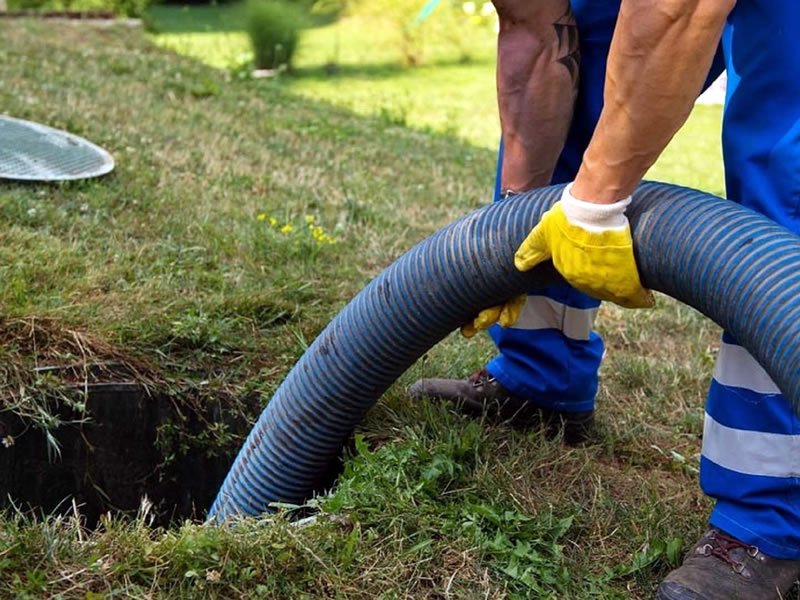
(287, 228)
(309, 219)
(261, 217)
(273, 221)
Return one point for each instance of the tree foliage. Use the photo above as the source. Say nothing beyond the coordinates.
(449, 21)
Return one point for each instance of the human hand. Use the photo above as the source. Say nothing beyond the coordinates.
(591, 246)
(504, 314)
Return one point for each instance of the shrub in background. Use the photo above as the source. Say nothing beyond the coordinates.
(419, 23)
(130, 8)
(400, 15)
(274, 28)
(458, 23)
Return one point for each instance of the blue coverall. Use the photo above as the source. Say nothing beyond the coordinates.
(750, 461)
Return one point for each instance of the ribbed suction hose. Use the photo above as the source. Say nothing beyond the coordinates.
(733, 265)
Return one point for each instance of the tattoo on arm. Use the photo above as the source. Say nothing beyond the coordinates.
(568, 45)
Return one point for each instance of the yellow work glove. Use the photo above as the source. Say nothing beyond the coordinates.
(591, 246)
(505, 314)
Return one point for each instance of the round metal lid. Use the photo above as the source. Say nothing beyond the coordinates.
(33, 152)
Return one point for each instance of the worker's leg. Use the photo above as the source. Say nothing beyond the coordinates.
(751, 443)
(750, 461)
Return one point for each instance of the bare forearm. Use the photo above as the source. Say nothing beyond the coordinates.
(537, 77)
(660, 56)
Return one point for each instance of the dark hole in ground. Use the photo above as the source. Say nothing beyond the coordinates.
(119, 455)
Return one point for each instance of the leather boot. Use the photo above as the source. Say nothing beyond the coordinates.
(720, 567)
(481, 395)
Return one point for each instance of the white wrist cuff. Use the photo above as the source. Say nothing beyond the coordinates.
(594, 217)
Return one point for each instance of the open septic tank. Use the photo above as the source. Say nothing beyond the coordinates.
(112, 445)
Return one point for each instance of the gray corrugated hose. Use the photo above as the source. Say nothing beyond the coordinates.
(735, 266)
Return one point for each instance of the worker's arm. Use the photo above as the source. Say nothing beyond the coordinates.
(537, 82)
(660, 55)
(538, 58)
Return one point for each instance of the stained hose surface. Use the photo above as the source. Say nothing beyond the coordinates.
(733, 265)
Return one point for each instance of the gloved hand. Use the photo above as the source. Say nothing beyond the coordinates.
(505, 314)
(591, 246)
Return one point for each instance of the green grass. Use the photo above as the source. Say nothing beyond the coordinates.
(166, 267)
(208, 18)
(444, 95)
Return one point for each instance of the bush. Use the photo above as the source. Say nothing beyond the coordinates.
(274, 28)
(131, 8)
(449, 22)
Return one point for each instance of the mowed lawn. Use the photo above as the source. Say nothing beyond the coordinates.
(194, 262)
(445, 95)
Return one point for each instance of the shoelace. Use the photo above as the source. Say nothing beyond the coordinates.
(722, 544)
(480, 377)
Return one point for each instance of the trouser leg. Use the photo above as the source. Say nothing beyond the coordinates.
(751, 444)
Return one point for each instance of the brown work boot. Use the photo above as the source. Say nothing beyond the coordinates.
(481, 395)
(720, 567)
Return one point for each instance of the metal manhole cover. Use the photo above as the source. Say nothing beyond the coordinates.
(34, 152)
